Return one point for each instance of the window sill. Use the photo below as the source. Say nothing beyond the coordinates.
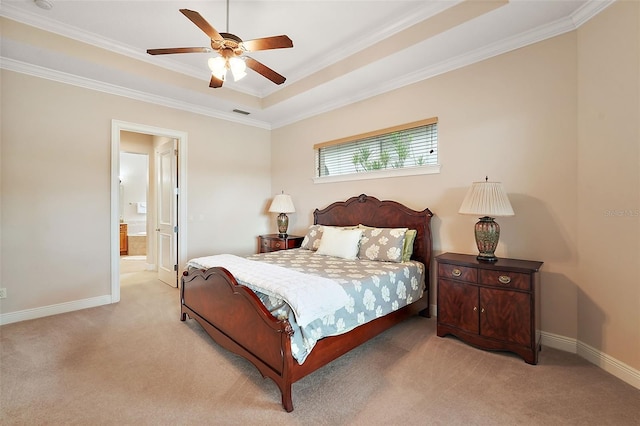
(380, 174)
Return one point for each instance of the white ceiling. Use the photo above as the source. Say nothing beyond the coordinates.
(344, 51)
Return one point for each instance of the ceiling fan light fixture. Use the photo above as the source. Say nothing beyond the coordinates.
(238, 68)
(231, 49)
(218, 67)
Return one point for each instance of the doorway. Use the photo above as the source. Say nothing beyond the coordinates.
(178, 254)
(134, 192)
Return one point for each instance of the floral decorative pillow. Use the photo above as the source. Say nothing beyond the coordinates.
(312, 239)
(382, 244)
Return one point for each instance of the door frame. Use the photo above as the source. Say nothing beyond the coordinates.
(118, 126)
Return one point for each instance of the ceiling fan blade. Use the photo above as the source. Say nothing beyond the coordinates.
(215, 82)
(171, 50)
(266, 43)
(197, 19)
(267, 72)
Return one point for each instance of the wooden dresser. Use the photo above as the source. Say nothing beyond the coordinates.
(491, 305)
(274, 242)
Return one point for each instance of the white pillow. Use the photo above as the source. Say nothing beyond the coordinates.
(344, 243)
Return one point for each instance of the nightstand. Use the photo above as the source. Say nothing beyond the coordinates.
(274, 242)
(491, 305)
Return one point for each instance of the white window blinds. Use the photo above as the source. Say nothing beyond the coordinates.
(411, 145)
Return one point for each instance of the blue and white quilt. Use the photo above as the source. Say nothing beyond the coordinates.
(374, 289)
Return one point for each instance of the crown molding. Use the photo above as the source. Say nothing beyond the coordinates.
(354, 46)
(74, 80)
(504, 46)
(34, 20)
(584, 14)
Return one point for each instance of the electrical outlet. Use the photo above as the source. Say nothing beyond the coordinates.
(3, 293)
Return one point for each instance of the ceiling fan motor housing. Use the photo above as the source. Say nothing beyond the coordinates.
(230, 43)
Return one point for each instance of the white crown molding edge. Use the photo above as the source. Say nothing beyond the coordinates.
(74, 80)
(356, 45)
(495, 49)
(74, 33)
(41, 22)
(589, 10)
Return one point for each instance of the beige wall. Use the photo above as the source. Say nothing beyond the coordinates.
(56, 153)
(609, 182)
(518, 118)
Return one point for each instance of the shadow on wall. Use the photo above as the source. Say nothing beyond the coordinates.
(534, 233)
(559, 307)
(591, 320)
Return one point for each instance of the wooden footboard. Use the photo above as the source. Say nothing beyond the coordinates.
(235, 318)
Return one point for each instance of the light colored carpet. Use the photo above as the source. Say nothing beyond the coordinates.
(135, 362)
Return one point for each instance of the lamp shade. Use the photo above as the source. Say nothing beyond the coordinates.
(486, 199)
(282, 204)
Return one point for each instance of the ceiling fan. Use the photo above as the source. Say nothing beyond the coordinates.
(231, 49)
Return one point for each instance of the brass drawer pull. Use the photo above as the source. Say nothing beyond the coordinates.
(456, 272)
(278, 245)
(504, 279)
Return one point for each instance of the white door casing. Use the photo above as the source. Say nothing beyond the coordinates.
(118, 126)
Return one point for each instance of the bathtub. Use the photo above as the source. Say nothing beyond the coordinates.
(136, 228)
(137, 236)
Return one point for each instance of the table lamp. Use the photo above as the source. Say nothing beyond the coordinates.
(282, 204)
(489, 200)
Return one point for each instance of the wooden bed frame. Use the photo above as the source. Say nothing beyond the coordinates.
(236, 319)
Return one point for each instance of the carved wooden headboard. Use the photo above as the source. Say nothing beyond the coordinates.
(370, 211)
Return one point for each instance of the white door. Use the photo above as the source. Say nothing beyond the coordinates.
(167, 229)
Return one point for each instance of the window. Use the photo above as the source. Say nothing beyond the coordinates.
(401, 150)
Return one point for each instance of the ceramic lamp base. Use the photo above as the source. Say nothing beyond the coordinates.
(487, 235)
(283, 224)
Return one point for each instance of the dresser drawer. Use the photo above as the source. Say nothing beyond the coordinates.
(272, 245)
(274, 242)
(505, 279)
(457, 272)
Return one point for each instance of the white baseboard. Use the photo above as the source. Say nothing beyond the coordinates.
(609, 364)
(61, 308)
(559, 342)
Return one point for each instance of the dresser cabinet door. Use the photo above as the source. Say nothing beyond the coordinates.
(505, 315)
(458, 305)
